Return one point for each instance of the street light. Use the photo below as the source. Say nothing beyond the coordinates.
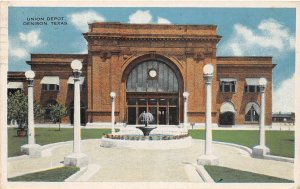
(77, 158)
(113, 95)
(208, 158)
(31, 149)
(185, 117)
(261, 150)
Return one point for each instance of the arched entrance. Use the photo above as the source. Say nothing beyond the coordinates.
(153, 86)
(227, 114)
(82, 113)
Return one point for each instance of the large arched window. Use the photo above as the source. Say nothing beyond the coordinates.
(152, 76)
(252, 112)
(153, 86)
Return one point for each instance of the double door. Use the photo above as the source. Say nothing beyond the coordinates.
(163, 109)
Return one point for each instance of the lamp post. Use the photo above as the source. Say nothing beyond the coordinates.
(31, 149)
(261, 150)
(208, 158)
(185, 117)
(113, 95)
(77, 158)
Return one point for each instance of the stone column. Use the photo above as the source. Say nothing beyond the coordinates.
(113, 95)
(261, 150)
(31, 149)
(208, 158)
(185, 116)
(77, 158)
(77, 130)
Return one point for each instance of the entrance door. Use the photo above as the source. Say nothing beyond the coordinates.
(164, 110)
(227, 118)
(162, 115)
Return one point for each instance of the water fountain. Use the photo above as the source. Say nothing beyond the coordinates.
(164, 137)
(146, 118)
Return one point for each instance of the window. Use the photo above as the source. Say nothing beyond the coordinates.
(71, 83)
(227, 87)
(152, 76)
(50, 87)
(50, 83)
(82, 87)
(252, 115)
(252, 88)
(252, 112)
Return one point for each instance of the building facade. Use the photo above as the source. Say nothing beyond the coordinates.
(149, 67)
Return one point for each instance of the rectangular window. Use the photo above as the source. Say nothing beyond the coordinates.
(50, 87)
(252, 88)
(227, 87)
(71, 87)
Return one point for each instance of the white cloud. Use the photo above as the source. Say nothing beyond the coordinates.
(270, 38)
(140, 17)
(283, 97)
(31, 38)
(19, 46)
(18, 53)
(145, 17)
(161, 20)
(81, 19)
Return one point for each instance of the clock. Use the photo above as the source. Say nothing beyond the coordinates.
(152, 73)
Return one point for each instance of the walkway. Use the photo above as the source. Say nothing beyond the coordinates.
(120, 165)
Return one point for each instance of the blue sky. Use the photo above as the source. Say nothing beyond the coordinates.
(244, 31)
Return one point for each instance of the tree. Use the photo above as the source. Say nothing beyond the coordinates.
(57, 112)
(17, 109)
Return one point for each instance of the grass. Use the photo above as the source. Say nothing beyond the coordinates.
(45, 136)
(52, 175)
(228, 175)
(281, 143)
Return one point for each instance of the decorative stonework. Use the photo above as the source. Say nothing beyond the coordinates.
(105, 55)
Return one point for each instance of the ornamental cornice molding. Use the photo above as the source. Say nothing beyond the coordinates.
(213, 38)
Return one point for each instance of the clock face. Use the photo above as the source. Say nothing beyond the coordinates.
(152, 73)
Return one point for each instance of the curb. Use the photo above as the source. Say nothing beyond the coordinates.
(204, 174)
(76, 175)
(279, 158)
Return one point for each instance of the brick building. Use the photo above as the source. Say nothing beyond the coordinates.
(149, 67)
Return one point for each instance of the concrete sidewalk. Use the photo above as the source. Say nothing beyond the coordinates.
(121, 165)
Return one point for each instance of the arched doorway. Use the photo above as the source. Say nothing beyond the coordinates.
(153, 86)
(227, 114)
(82, 113)
(252, 112)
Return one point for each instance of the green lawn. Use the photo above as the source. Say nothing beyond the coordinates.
(227, 175)
(48, 135)
(281, 143)
(52, 175)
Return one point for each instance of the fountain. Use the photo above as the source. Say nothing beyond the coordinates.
(146, 118)
(164, 138)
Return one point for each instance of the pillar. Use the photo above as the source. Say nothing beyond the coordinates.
(261, 150)
(77, 158)
(31, 149)
(208, 158)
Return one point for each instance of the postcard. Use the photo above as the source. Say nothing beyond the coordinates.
(182, 95)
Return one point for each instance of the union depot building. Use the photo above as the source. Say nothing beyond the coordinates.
(149, 67)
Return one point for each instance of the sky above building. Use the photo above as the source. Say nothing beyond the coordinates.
(244, 31)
